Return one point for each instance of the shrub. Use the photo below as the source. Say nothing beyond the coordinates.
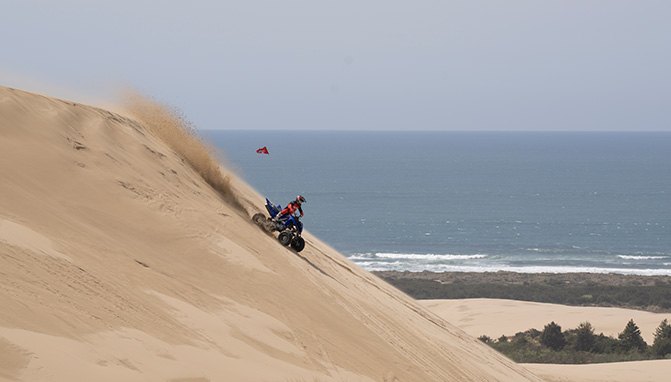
(662, 343)
(553, 337)
(630, 339)
(584, 337)
(604, 344)
(534, 333)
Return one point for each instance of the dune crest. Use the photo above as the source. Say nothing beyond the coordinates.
(163, 278)
(178, 133)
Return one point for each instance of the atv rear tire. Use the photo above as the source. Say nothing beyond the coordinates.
(285, 238)
(269, 225)
(258, 218)
(298, 243)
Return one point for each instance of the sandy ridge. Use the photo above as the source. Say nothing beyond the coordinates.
(160, 279)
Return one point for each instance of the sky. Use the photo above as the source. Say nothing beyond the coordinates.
(355, 64)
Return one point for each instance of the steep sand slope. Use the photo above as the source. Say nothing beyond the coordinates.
(118, 262)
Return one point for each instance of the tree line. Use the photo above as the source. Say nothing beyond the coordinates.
(582, 345)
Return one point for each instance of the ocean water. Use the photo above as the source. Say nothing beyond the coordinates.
(472, 201)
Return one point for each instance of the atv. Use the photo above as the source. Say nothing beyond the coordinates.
(289, 227)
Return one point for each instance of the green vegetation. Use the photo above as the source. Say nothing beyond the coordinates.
(652, 293)
(630, 339)
(581, 345)
(662, 344)
(552, 337)
(584, 337)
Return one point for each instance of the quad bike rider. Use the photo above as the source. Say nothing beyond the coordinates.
(286, 221)
(291, 208)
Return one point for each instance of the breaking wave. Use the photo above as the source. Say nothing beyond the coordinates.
(414, 256)
(640, 257)
(404, 266)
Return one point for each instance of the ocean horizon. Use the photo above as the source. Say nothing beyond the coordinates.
(528, 202)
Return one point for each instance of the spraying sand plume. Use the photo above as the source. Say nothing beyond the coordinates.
(177, 132)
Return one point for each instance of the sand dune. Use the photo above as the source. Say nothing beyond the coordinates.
(119, 262)
(495, 317)
(640, 371)
(477, 315)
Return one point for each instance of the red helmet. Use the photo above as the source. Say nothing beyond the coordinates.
(300, 199)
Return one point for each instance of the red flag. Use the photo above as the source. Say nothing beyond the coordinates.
(263, 150)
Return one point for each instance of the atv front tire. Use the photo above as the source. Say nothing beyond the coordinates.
(298, 243)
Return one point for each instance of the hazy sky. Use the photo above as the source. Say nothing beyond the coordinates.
(356, 64)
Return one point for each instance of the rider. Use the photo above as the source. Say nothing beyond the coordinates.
(291, 208)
